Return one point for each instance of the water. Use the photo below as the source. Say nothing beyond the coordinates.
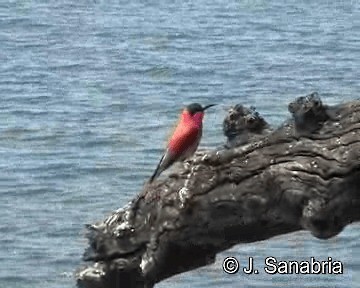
(89, 89)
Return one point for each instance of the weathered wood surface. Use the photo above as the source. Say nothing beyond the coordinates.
(304, 175)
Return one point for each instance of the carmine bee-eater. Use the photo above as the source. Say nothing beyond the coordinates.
(185, 139)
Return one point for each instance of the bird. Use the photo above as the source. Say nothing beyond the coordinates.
(185, 139)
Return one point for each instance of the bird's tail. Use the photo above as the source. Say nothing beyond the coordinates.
(157, 171)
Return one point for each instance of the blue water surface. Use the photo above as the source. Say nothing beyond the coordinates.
(89, 90)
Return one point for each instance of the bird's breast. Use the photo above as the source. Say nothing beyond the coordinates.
(184, 138)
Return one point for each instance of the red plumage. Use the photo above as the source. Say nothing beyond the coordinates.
(186, 134)
(185, 139)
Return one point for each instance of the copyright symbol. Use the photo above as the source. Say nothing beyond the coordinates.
(230, 265)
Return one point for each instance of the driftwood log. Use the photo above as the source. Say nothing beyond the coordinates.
(303, 175)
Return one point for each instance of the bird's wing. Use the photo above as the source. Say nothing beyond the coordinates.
(184, 139)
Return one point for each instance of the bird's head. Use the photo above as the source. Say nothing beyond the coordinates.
(196, 111)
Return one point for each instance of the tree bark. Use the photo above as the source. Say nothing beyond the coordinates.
(304, 175)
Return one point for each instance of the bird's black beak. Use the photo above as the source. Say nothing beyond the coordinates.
(208, 106)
